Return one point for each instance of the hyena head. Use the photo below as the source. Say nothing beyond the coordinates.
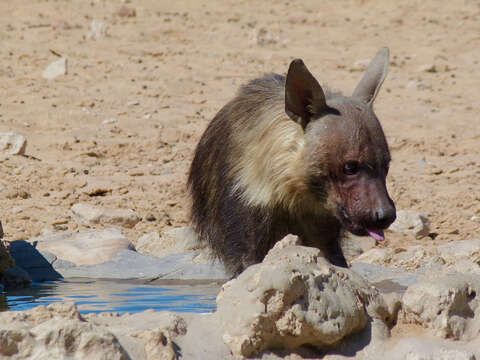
(346, 151)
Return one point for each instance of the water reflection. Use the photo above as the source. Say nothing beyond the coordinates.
(116, 296)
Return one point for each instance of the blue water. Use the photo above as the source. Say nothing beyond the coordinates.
(95, 296)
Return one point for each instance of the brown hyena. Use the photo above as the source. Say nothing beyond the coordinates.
(288, 156)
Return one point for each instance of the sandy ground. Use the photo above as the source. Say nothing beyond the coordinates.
(162, 74)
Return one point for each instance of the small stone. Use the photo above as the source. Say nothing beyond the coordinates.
(84, 248)
(133, 103)
(12, 143)
(55, 69)
(91, 215)
(97, 186)
(360, 65)
(98, 30)
(412, 222)
(110, 121)
(150, 217)
(126, 11)
(475, 218)
(430, 68)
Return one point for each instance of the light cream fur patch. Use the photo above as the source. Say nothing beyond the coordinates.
(270, 170)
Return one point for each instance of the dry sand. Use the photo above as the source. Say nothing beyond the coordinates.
(164, 73)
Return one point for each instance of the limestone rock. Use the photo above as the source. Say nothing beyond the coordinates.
(457, 256)
(409, 221)
(55, 69)
(158, 344)
(12, 143)
(448, 304)
(91, 215)
(84, 248)
(427, 349)
(294, 297)
(176, 241)
(354, 246)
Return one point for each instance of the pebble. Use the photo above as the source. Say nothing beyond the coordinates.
(12, 143)
(98, 30)
(55, 69)
(110, 121)
(360, 65)
(430, 68)
(126, 11)
(475, 218)
(133, 103)
(91, 215)
(412, 222)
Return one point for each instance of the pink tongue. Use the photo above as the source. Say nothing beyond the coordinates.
(376, 234)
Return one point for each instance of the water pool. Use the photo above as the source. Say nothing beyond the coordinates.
(96, 296)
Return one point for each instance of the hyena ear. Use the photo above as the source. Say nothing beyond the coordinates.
(372, 80)
(304, 97)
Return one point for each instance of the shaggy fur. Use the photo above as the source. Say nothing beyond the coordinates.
(255, 178)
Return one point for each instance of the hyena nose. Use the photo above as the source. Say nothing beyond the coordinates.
(383, 217)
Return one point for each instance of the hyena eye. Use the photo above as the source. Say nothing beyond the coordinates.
(350, 167)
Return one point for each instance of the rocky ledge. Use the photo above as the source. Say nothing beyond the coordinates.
(293, 305)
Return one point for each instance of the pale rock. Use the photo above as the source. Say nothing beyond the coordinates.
(475, 218)
(447, 304)
(430, 68)
(353, 246)
(409, 221)
(427, 349)
(55, 69)
(158, 344)
(176, 241)
(294, 298)
(87, 214)
(84, 248)
(98, 30)
(61, 338)
(12, 143)
(360, 65)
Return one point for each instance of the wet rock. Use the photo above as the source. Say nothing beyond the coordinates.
(84, 248)
(92, 215)
(16, 278)
(448, 304)
(459, 256)
(98, 30)
(12, 143)
(55, 69)
(413, 222)
(128, 264)
(175, 241)
(293, 298)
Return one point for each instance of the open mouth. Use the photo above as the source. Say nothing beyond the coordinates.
(358, 229)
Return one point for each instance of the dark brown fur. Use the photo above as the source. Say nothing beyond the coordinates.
(313, 198)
